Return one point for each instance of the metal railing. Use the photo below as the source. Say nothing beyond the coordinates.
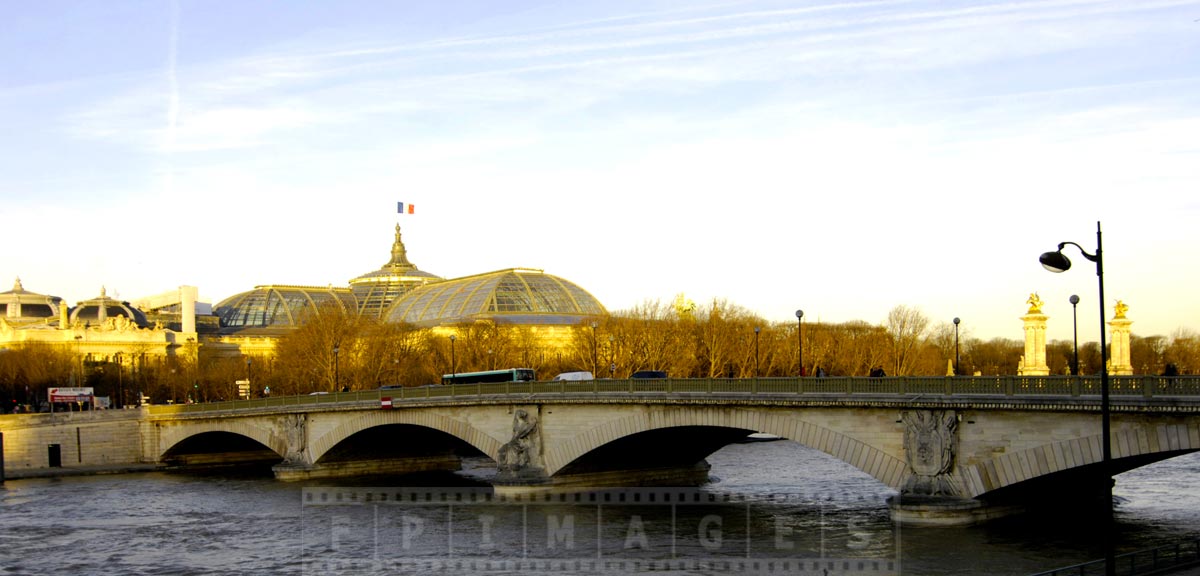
(1158, 560)
(1180, 390)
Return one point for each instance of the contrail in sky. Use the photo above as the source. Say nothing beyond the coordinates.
(172, 96)
(172, 79)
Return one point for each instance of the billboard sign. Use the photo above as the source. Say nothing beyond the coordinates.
(71, 394)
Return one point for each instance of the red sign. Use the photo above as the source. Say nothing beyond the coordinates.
(385, 403)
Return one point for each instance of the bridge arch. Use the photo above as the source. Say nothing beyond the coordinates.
(887, 468)
(170, 435)
(457, 428)
(1132, 445)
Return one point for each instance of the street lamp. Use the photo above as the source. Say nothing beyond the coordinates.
(956, 321)
(756, 331)
(593, 347)
(452, 365)
(1075, 335)
(336, 380)
(800, 340)
(612, 350)
(120, 383)
(1057, 262)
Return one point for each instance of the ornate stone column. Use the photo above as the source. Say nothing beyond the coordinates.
(1119, 342)
(1034, 361)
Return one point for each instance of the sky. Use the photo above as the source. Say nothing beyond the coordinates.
(842, 158)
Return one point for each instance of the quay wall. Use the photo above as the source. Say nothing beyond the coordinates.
(88, 442)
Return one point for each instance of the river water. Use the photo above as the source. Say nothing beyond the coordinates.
(772, 508)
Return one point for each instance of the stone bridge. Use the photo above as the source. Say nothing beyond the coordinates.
(955, 449)
(971, 441)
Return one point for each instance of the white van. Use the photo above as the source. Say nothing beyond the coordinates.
(574, 376)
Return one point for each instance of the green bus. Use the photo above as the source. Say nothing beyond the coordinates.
(508, 375)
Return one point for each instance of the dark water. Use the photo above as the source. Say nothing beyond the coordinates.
(770, 502)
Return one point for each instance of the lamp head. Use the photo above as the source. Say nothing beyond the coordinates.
(1055, 261)
(956, 320)
(799, 314)
(1074, 299)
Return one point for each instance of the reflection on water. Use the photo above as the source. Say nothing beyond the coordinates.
(773, 501)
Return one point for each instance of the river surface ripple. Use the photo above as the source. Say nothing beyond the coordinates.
(774, 501)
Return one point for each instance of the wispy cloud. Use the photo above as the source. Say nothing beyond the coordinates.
(579, 64)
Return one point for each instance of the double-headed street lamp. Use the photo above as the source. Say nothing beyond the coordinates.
(1057, 262)
(800, 340)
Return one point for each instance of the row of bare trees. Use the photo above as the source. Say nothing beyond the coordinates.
(720, 340)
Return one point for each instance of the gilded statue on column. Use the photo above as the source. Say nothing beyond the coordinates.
(1035, 304)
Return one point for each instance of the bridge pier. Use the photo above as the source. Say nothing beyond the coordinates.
(946, 510)
(694, 475)
(294, 471)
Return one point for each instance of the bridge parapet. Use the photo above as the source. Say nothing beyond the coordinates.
(1133, 393)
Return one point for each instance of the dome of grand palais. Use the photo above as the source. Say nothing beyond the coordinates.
(400, 292)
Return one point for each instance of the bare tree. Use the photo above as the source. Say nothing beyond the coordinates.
(1184, 351)
(307, 354)
(907, 328)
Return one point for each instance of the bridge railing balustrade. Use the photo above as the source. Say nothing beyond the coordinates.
(817, 385)
(1126, 387)
(1041, 385)
(979, 385)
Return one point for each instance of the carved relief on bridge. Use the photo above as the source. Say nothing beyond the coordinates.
(521, 456)
(930, 448)
(293, 427)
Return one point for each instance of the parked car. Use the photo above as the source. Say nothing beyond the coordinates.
(649, 374)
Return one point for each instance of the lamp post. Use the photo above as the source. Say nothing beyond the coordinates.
(956, 321)
(612, 349)
(800, 340)
(1075, 335)
(336, 380)
(80, 381)
(120, 383)
(1057, 262)
(593, 347)
(756, 331)
(453, 373)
